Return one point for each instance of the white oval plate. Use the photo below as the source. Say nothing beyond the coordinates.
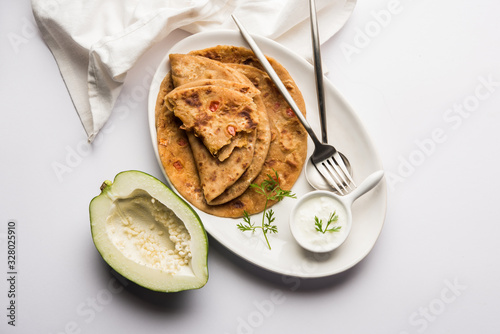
(345, 131)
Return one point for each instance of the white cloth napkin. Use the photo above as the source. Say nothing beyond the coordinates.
(96, 42)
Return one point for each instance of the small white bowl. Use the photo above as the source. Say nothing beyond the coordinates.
(321, 203)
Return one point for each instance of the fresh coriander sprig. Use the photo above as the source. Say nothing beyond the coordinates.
(271, 189)
(331, 220)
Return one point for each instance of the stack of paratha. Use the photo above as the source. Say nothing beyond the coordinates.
(222, 125)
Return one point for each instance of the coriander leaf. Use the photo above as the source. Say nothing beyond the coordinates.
(334, 229)
(270, 188)
(248, 224)
(318, 223)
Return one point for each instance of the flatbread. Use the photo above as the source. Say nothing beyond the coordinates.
(216, 176)
(240, 139)
(288, 149)
(262, 144)
(191, 103)
(213, 113)
(178, 161)
(189, 68)
(285, 151)
(175, 153)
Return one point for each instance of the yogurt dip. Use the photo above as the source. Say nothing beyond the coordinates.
(320, 204)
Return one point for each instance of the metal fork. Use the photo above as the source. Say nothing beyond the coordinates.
(325, 158)
(334, 177)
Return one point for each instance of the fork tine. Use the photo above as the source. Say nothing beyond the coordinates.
(327, 175)
(340, 162)
(337, 173)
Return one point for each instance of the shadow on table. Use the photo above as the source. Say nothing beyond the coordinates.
(281, 281)
(115, 285)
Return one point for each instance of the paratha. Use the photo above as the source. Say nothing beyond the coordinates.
(240, 139)
(213, 113)
(189, 68)
(178, 162)
(216, 176)
(285, 151)
(204, 130)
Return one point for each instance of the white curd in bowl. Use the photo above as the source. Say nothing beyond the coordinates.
(320, 204)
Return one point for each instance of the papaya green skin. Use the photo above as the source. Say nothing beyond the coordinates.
(106, 185)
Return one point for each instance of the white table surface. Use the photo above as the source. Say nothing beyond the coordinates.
(425, 81)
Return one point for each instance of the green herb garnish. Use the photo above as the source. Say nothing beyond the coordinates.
(271, 189)
(331, 220)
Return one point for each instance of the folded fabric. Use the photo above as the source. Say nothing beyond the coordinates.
(96, 42)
